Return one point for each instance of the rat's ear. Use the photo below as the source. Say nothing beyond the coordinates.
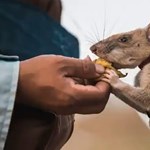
(148, 32)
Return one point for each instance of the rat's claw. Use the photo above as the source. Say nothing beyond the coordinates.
(111, 72)
(110, 76)
(106, 75)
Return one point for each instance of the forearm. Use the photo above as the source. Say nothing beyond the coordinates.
(9, 67)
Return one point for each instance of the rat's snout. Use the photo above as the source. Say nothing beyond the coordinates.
(98, 48)
(93, 49)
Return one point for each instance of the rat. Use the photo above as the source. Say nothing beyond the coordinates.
(128, 50)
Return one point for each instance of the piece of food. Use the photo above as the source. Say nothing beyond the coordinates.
(108, 65)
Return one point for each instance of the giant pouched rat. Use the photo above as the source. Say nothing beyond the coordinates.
(128, 50)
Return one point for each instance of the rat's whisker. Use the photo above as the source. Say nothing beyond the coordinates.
(97, 33)
(104, 28)
(90, 42)
(90, 38)
(113, 26)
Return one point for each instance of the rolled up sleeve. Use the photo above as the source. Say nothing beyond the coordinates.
(9, 70)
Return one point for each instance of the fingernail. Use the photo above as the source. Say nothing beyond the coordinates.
(87, 58)
(99, 68)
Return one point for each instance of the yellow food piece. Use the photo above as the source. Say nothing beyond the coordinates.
(108, 65)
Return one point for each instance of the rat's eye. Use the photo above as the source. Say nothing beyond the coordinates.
(123, 39)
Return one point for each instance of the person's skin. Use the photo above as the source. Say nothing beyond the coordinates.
(47, 82)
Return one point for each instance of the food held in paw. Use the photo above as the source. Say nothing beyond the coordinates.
(108, 65)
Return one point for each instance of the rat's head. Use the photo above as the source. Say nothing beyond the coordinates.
(125, 50)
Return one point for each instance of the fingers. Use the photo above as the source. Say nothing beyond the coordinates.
(82, 68)
(93, 99)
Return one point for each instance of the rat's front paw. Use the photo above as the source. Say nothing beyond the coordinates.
(110, 77)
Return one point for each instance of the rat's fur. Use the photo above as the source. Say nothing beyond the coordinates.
(129, 50)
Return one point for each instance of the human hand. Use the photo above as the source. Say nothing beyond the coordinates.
(47, 82)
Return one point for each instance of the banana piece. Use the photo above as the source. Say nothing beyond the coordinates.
(108, 65)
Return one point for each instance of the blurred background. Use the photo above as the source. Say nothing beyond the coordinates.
(118, 127)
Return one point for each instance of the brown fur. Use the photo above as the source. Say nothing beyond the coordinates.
(129, 50)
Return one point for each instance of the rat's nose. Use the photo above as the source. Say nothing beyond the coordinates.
(93, 49)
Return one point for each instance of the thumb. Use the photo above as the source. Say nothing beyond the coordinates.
(83, 68)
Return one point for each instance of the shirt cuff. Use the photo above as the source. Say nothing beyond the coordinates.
(9, 68)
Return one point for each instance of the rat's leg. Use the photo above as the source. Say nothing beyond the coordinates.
(136, 97)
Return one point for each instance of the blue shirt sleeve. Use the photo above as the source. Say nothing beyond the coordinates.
(9, 70)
